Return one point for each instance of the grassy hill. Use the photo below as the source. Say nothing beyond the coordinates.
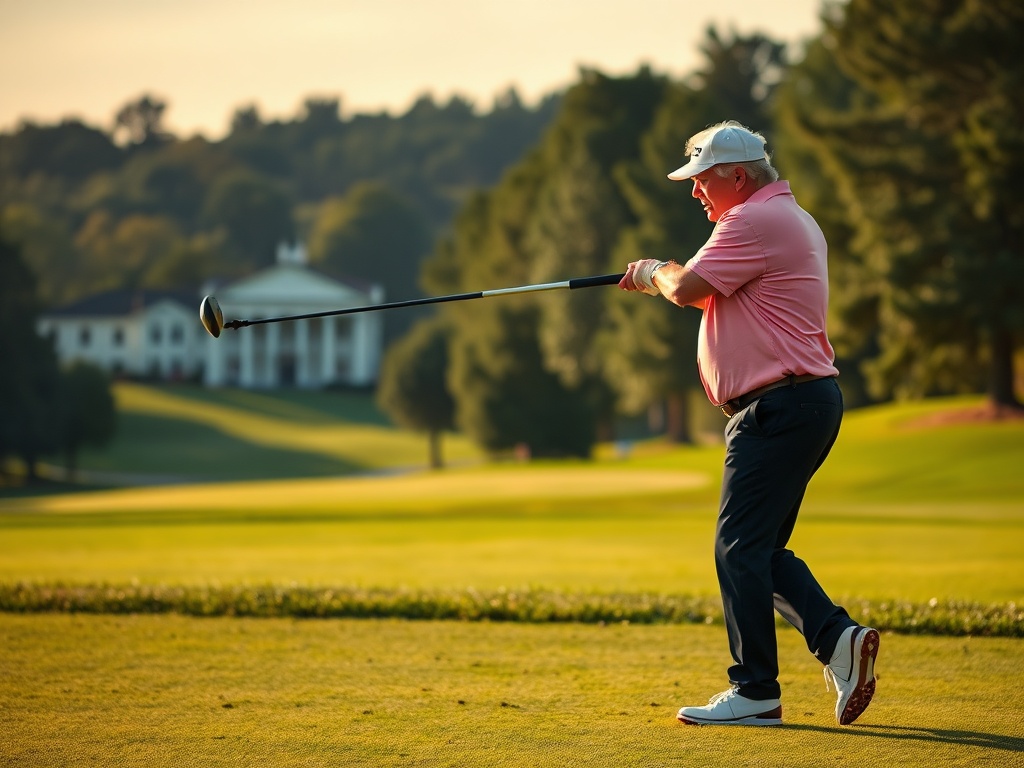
(900, 453)
(191, 434)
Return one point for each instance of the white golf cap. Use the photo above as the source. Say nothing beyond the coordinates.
(728, 144)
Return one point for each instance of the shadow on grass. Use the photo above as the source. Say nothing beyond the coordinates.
(911, 733)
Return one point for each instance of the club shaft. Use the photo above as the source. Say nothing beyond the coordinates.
(577, 282)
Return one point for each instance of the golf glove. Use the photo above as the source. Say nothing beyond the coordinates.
(643, 275)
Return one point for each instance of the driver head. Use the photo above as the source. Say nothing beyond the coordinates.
(212, 317)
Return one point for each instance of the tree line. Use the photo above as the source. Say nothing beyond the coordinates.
(131, 206)
(900, 129)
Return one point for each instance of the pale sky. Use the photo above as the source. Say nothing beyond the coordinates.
(205, 58)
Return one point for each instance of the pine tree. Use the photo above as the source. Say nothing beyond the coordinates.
(926, 161)
(28, 386)
(651, 353)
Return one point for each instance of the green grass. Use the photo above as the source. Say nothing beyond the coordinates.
(918, 526)
(175, 691)
(184, 433)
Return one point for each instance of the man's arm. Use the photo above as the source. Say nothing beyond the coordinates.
(675, 282)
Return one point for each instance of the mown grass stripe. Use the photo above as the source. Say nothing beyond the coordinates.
(940, 618)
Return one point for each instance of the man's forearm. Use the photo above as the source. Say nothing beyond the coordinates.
(683, 286)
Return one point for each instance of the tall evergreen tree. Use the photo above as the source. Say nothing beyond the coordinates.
(28, 386)
(651, 355)
(557, 214)
(506, 399)
(925, 169)
(814, 87)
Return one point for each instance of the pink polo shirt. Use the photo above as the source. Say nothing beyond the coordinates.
(767, 258)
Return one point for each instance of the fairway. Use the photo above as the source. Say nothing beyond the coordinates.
(915, 529)
(173, 691)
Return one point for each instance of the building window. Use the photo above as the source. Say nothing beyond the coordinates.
(119, 337)
(84, 336)
(156, 334)
(177, 335)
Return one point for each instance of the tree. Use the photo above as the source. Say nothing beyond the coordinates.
(651, 352)
(87, 415)
(189, 263)
(927, 164)
(141, 121)
(413, 387)
(816, 87)
(45, 246)
(255, 214)
(120, 253)
(29, 382)
(375, 235)
(579, 212)
(505, 398)
(71, 150)
(505, 395)
(246, 119)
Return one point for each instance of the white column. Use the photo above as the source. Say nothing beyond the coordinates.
(270, 378)
(213, 375)
(327, 351)
(246, 358)
(302, 354)
(359, 349)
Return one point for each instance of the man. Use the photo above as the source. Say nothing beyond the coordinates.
(765, 359)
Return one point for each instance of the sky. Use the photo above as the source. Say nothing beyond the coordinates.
(85, 59)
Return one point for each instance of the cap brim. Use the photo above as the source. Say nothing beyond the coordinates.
(687, 171)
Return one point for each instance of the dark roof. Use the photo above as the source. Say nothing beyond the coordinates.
(122, 302)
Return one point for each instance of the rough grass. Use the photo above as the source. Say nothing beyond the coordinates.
(956, 618)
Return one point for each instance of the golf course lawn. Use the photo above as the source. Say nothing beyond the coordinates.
(176, 691)
(905, 513)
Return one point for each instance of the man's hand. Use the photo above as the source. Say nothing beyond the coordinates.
(640, 276)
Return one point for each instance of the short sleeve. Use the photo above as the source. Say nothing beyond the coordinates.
(731, 257)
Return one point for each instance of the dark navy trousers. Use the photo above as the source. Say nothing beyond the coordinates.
(773, 447)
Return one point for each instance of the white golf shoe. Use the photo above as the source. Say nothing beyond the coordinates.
(852, 670)
(729, 708)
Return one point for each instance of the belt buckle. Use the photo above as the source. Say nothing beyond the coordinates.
(728, 410)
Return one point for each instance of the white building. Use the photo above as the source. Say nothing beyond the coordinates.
(150, 334)
(301, 353)
(158, 334)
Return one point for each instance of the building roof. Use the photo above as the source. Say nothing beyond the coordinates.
(122, 303)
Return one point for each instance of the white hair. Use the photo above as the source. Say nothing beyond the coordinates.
(760, 171)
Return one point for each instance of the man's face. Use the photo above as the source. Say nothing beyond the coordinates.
(718, 194)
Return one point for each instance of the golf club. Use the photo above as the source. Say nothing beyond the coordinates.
(213, 319)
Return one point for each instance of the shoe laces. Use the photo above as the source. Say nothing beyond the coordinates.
(722, 696)
(832, 677)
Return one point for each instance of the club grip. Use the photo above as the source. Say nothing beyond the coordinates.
(591, 282)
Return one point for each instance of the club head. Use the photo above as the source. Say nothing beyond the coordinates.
(212, 317)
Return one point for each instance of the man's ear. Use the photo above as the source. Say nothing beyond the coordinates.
(740, 178)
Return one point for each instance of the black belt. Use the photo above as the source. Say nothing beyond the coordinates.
(737, 404)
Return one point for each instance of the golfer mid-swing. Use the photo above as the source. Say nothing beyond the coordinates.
(765, 359)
